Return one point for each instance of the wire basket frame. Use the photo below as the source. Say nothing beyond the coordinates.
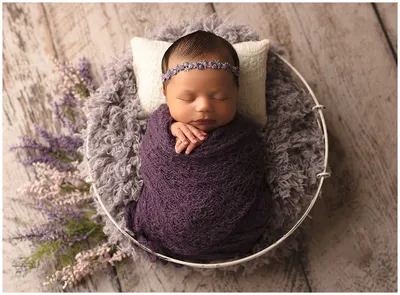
(322, 175)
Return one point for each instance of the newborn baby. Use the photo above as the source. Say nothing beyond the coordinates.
(204, 196)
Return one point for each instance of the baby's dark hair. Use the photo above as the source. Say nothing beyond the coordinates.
(197, 44)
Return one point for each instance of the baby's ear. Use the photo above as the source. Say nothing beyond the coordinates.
(163, 91)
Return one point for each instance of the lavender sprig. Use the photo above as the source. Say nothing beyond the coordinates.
(42, 233)
(57, 218)
(76, 86)
(65, 228)
(84, 71)
(63, 188)
(60, 151)
(64, 120)
(87, 263)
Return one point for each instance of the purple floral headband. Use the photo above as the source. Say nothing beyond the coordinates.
(201, 65)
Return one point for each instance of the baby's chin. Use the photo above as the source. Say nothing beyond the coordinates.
(208, 127)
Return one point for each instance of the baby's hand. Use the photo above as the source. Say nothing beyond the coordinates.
(187, 136)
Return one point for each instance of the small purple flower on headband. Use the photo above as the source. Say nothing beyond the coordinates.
(201, 65)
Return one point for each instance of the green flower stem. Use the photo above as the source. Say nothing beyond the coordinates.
(62, 157)
(79, 88)
(67, 188)
(84, 227)
(41, 251)
(68, 113)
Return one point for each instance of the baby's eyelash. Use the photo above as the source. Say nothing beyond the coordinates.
(184, 99)
(190, 100)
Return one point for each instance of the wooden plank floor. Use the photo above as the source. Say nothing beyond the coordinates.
(348, 54)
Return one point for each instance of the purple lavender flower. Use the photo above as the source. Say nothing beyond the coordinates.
(57, 217)
(42, 233)
(84, 72)
(58, 214)
(48, 159)
(29, 144)
(60, 151)
(61, 117)
(72, 128)
(49, 138)
(83, 68)
(69, 144)
(69, 100)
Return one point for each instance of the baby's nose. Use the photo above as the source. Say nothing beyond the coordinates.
(203, 104)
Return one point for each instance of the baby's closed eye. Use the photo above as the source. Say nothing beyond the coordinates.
(185, 98)
(220, 97)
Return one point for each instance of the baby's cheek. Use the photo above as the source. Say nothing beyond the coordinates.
(229, 114)
(178, 113)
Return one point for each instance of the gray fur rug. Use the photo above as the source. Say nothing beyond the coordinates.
(293, 143)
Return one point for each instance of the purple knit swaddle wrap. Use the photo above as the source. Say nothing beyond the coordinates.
(208, 205)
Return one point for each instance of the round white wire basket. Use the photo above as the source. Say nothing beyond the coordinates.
(321, 176)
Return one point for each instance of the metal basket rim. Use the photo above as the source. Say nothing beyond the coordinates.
(322, 175)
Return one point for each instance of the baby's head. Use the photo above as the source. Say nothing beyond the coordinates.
(207, 94)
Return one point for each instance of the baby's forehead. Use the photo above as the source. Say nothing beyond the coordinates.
(192, 82)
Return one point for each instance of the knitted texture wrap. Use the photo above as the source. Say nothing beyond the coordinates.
(210, 204)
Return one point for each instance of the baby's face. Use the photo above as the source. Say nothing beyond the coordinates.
(208, 94)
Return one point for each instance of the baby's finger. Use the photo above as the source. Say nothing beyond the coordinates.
(189, 134)
(191, 147)
(179, 148)
(177, 143)
(181, 136)
(198, 133)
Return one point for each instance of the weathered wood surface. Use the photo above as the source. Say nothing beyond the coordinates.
(388, 14)
(286, 276)
(33, 33)
(342, 52)
(333, 45)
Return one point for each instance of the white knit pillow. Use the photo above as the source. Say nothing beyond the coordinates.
(147, 56)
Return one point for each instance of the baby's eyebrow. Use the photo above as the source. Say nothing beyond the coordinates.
(187, 91)
(211, 93)
(214, 91)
